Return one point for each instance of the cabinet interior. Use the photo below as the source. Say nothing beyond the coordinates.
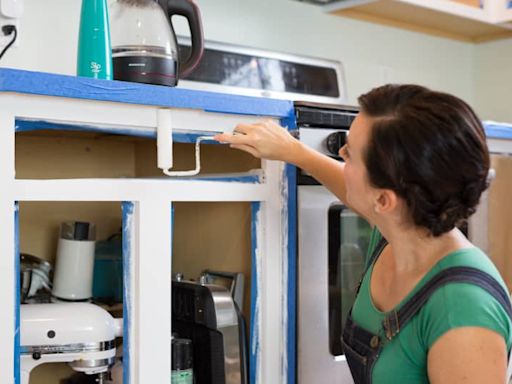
(206, 235)
(47, 154)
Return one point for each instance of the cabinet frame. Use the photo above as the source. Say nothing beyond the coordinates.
(40, 98)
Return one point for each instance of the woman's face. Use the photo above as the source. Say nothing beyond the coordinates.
(359, 191)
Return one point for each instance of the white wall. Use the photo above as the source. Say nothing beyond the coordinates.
(493, 80)
(372, 54)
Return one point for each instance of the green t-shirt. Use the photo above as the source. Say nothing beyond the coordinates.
(404, 359)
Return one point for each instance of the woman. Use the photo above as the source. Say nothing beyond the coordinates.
(431, 306)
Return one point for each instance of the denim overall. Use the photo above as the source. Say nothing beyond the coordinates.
(362, 348)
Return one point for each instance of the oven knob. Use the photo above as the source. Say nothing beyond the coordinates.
(335, 141)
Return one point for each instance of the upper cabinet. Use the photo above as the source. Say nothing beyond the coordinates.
(465, 20)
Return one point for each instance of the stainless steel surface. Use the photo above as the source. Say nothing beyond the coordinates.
(316, 138)
(67, 348)
(335, 65)
(236, 287)
(227, 324)
(86, 364)
(315, 363)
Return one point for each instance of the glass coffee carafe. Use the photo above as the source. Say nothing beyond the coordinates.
(144, 46)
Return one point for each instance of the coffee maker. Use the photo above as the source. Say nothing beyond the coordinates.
(207, 315)
(80, 334)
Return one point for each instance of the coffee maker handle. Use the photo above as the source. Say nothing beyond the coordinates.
(189, 10)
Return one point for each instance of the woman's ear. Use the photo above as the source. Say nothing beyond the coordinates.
(386, 201)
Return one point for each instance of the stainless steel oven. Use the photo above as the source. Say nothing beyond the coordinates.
(331, 239)
(332, 243)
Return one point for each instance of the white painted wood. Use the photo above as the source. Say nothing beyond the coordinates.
(116, 116)
(499, 12)
(491, 13)
(7, 247)
(273, 338)
(130, 296)
(136, 189)
(153, 305)
(500, 145)
(150, 244)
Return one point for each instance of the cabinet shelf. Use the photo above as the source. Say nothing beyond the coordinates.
(442, 18)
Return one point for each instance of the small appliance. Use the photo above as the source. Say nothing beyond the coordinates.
(81, 334)
(207, 315)
(75, 261)
(144, 46)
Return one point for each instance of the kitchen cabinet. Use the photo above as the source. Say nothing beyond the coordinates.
(493, 220)
(461, 20)
(85, 147)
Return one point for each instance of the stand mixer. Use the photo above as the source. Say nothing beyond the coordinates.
(80, 334)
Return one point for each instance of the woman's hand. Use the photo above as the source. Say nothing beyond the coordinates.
(265, 140)
(268, 140)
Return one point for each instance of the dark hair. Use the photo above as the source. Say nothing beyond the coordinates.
(430, 149)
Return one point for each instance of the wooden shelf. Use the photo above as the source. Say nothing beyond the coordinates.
(442, 18)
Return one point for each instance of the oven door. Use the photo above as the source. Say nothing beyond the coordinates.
(332, 246)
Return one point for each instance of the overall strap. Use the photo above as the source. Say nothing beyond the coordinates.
(375, 254)
(399, 319)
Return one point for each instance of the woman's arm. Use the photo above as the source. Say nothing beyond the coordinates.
(268, 140)
(468, 355)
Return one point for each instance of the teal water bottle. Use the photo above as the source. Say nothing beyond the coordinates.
(94, 48)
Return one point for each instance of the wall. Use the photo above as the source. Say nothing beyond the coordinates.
(372, 54)
(493, 80)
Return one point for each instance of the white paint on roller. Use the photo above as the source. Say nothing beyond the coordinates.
(164, 139)
(197, 169)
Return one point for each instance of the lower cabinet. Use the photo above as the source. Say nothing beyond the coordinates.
(166, 254)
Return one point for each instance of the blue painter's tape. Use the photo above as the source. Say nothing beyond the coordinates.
(291, 179)
(250, 179)
(16, 294)
(33, 125)
(14, 80)
(498, 130)
(291, 291)
(254, 346)
(37, 125)
(127, 209)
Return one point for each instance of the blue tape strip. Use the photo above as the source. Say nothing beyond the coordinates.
(14, 80)
(254, 345)
(291, 179)
(250, 179)
(17, 295)
(33, 125)
(498, 131)
(127, 210)
(36, 125)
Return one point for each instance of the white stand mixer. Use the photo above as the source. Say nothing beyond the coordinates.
(81, 334)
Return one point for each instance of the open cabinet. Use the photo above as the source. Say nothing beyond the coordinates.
(84, 150)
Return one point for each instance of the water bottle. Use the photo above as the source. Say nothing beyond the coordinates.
(94, 48)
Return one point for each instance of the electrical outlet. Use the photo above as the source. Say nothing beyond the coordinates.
(4, 40)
